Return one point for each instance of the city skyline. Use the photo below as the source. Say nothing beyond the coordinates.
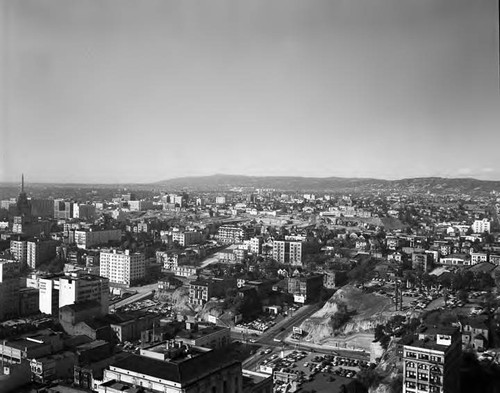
(123, 92)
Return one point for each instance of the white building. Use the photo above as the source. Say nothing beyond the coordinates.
(122, 268)
(287, 252)
(19, 250)
(56, 292)
(481, 226)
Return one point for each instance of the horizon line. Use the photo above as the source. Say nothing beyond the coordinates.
(3, 183)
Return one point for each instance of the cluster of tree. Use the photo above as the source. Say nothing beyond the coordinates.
(468, 280)
(396, 326)
(249, 305)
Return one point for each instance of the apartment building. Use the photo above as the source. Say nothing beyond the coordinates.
(478, 257)
(185, 238)
(288, 252)
(481, 226)
(305, 288)
(19, 250)
(256, 245)
(122, 268)
(431, 361)
(227, 234)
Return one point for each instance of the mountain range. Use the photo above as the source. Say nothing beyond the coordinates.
(295, 183)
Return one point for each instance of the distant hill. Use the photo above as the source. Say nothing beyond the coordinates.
(295, 183)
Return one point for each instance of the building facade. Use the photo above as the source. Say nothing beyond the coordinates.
(122, 268)
(431, 361)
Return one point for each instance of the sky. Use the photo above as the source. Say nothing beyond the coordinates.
(140, 91)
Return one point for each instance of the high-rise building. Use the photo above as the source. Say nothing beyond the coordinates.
(63, 209)
(122, 268)
(431, 361)
(78, 287)
(256, 245)
(481, 226)
(43, 208)
(74, 287)
(83, 211)
(40, 251)
(19, 250)
(9, 289)
(49, 295)
(287, 252)
(227, 234)
(90, 238)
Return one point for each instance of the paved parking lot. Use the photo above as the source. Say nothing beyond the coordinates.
(310, 368)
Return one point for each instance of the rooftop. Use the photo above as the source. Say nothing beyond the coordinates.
(183, 371)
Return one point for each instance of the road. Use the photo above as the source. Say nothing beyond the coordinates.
(284, 327)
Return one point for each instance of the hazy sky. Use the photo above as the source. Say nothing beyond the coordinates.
(143, 90)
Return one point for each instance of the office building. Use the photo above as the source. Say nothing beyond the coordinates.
(63, 210)
(49, 295)
(431, 361)
(140, 205)
(40, 251)
(74, 287)
(122, 268)
(9, 289)
(43, 208)
(83, 211)
(89, 238)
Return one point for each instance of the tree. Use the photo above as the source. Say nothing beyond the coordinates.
(462, 296)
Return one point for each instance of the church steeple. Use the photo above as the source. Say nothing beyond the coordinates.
(23, 204)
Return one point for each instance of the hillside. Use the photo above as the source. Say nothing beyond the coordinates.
(366, 310)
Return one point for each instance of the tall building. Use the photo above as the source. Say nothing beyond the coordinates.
(227, 234)
(122, 268)
(287, 252)
(83, 211)
(481, 226)
(305, 288)
(9, 289)
(431, 361)
(185, 238)
(19, 250)
(23, 205)
(89, 238)
(43, 208)
(40, 251)
(49, 295)
(256, 245)
(74, 287)
(63, 209)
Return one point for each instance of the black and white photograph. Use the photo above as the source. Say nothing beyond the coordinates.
(249, 196)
